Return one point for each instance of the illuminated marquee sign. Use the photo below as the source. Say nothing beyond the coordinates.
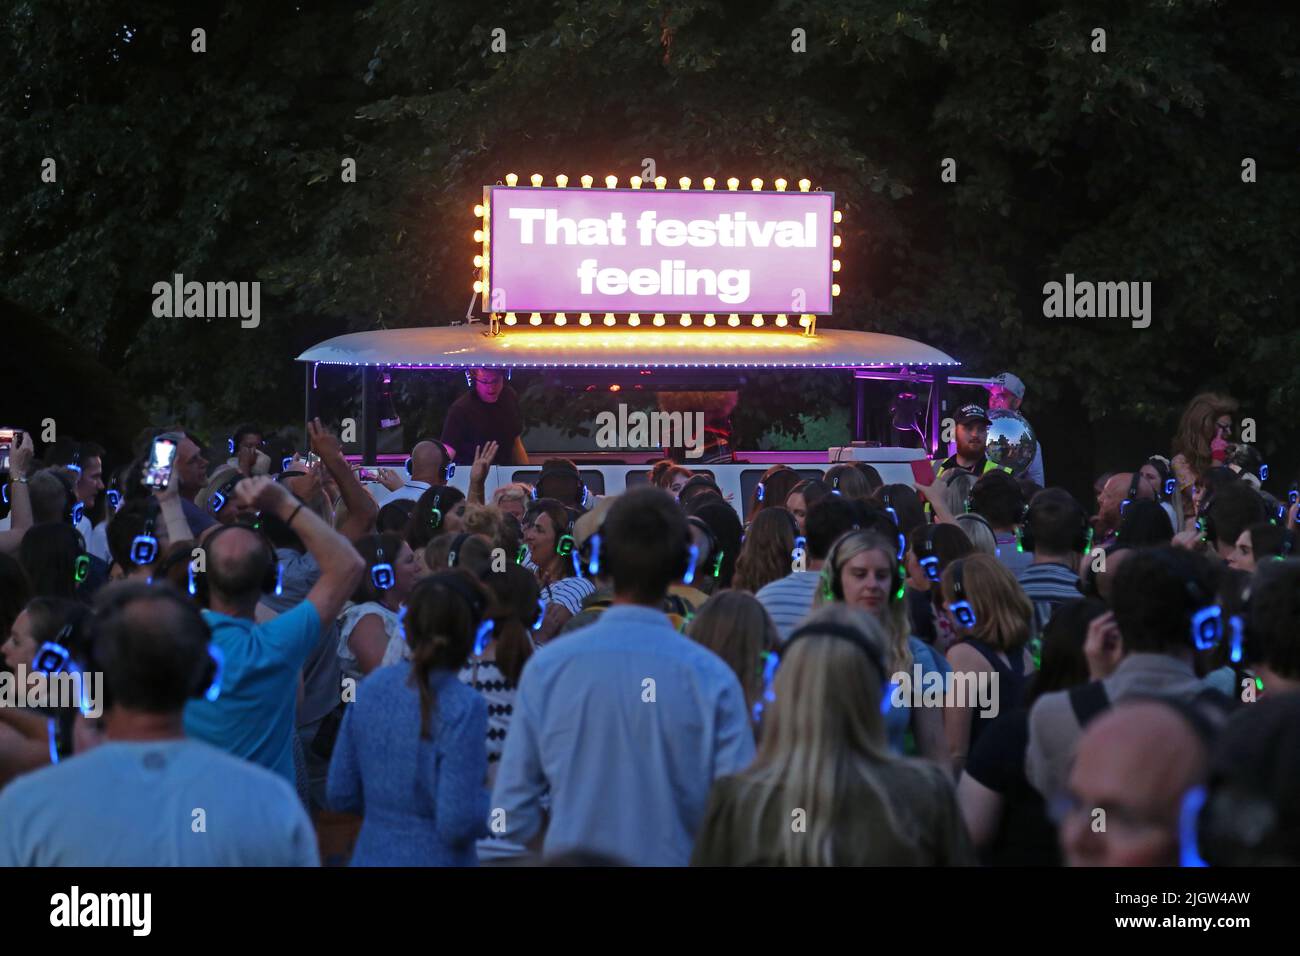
(631, 251)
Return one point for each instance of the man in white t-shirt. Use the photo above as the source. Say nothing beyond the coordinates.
(148, 796)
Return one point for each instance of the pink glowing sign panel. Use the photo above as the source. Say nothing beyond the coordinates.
(651, 250)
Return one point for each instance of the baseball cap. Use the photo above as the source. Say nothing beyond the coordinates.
(590, 523)
(972, 413)
(1010, 382)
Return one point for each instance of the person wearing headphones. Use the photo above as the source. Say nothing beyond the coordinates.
(411, 755)
(370, 628)
(826, 789)
(488, 412)
(626, 722)
(253, 717)
(430, 464)
(548, 533)
(1056, 534)
(147, 795)
(863, 570)
(1143, 647)
(1137, 762)
(246, 452)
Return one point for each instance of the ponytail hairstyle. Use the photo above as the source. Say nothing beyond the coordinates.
(518, 596)
(443, 616)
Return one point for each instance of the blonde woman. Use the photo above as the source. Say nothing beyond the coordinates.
(736, 627)
(825, 790)
(992, 619)
(979, 531)
(862, 570)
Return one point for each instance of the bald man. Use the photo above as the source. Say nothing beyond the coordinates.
(429, 461)
(253, 717)
(1112, 496)
(1133, 767)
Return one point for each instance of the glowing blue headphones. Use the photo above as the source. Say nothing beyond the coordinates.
(541, 613)
(759, 492)
(218, 499)
(448, 467)
(55, 658)
(144, 546)
(1189, 853)
(482, 636)
(825, 630)
(114, 498)
(928, 560)
(381, 572)
(689, 576)
(593, 562)
(78, 511)
(961, 608)
(769, 675)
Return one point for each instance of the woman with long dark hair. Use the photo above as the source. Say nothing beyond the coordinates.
(411, 755)
(766, 553)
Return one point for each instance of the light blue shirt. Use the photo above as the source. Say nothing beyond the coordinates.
(253, 717)
(628, 723)
(154, 803)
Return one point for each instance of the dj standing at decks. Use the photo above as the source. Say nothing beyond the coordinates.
(489, 411)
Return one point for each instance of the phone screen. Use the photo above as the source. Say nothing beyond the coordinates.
(6, 442)
(158, 472)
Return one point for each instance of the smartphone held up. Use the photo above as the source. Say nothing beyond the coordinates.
(162, 458)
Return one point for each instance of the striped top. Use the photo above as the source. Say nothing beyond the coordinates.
(789, 599)
(1048, 586)
(568, 593)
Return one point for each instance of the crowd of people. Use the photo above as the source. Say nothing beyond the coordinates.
(974, 670)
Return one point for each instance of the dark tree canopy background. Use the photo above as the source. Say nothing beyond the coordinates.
(225, 165)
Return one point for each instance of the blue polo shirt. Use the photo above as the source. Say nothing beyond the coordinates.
(253, 717)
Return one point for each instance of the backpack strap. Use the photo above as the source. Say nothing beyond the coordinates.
(1088, 700)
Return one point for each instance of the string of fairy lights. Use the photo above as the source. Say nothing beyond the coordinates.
(482, 261)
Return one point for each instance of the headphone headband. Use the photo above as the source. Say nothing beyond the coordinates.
(843, 632)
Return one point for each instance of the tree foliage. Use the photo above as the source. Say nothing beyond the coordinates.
(1122, 166)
